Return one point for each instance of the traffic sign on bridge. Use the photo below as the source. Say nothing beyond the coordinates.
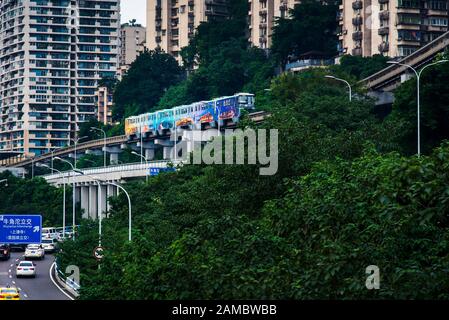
(20, 229)
(156, 171)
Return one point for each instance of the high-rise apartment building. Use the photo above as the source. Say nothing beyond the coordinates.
(172, 23)
(262, 17)
(393, 28)
(52, 53)
(132, 43)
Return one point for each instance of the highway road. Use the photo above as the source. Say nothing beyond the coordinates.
(39, 288)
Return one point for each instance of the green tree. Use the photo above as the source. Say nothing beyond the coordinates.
(361, 67)
(149, 76)
(434, 110)
(311, 27)
(36, 196)
(203, 225)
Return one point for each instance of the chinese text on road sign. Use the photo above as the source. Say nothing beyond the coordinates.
(20, 229)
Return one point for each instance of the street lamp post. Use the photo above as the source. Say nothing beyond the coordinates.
(104, 147)
(141, 141)
(52, 156)
(42, 165)
(76, 144)
(32, 167)
(73, 196)
(418, 94)
(146, 162)
(127, 195)
(346, 82)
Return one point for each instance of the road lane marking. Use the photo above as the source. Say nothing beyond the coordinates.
(13, 282)
(54, 282)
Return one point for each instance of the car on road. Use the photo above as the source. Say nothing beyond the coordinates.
(5, 252)
(34, 251)
(50, 245)
(9, 293)
(26, 269)
(49, 233)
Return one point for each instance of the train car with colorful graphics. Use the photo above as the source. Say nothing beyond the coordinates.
(195, 116)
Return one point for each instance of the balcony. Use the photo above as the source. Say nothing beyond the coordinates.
(383, 47)
(357, 21)
(308, 63)
(384, 15)
(383, 1)
(357, 51)
(357, 5)
(383, 31)
(339, 16)
(357, 36)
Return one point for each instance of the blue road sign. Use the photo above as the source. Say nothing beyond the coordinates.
(156, 171)
(20, 229)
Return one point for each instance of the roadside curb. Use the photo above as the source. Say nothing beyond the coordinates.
(61, 285)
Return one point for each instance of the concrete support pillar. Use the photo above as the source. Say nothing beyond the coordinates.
(77, 194)
(168, 153)
(149, 154)
(113, 158)
(85, 201)
(103, 200)
(93, 201)
(111, 190)
(113, 153)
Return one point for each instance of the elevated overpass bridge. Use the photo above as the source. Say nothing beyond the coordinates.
(388, 79)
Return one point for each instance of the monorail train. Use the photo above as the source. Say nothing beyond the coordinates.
(195, 116)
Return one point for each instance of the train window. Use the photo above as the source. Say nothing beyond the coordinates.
(243, 99)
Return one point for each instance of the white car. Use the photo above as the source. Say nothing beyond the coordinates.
(49, 245)
(26, 269)
(49, 233)
(34, 251)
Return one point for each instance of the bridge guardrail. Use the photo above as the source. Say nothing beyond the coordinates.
(116, 168)
(69, 284)
(420, 56)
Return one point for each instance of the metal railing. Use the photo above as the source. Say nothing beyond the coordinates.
(68, 282)
(115, 168)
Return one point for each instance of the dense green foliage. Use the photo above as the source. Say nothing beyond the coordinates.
(361, 67)
(25, 196)
(149, 76)
(227, 232)
(226, 64)
(312, 28)
(434, 109)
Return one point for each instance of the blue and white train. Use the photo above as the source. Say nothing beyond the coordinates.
(195, 116)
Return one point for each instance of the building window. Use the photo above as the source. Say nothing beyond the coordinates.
(442, 22)
(409, 19)
(416, 4)
(409, 35)
(438, 5)
(406, 51)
